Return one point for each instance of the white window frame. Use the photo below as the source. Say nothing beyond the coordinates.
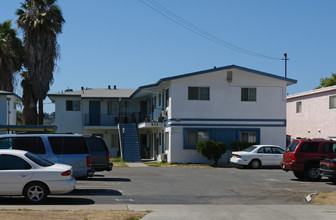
(298, 107)
(332, 102)
(251, 95)
(75, 105)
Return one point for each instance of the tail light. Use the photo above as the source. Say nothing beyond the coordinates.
(66, 173)
(236, 155)
(108, 155)
(292, 157)
(88, 161)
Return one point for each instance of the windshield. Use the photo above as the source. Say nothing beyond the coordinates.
(292, 146)
(249, 149)
(39, 160)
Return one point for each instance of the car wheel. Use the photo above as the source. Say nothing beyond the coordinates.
(255, 163)
(312, 173)
(35, 192)
(333, 180)
(299, 175)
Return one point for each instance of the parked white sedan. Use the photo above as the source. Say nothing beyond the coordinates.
(24, 173)
(258, 155)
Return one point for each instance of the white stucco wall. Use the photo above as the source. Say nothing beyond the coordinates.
(225, 103)
(316, 119)
(67, 121)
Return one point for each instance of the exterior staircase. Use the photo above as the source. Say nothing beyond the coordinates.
(129, 142)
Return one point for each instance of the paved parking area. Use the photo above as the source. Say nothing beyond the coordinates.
(188, 185)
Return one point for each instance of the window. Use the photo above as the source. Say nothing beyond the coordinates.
(167, 97)
(298, 107)
(198, 93)
(32, 144)
(68, 145)
(39, 160)
(311, 147)
(11, 162)
(277, 150)
(112, 108)
(248, 94)
(72, 105)
(166, 141)
(194, 136)
(248, 137)
(332, 102)
(329, 148)
(159, 99)
(229, 76)
(265, 150)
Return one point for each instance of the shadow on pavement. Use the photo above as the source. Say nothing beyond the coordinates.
(95, 192)
(107, 179)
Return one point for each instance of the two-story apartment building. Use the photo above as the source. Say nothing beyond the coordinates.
(224, 104)
(312, 114)
(8, 102)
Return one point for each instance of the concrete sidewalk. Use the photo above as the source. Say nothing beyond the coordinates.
(202, 212)
(136, 164)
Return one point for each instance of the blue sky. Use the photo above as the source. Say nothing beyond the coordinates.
(128, 44)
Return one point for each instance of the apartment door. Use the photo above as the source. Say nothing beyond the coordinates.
(143, 110)
(94, 112)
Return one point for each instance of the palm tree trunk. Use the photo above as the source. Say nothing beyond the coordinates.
(40, 114)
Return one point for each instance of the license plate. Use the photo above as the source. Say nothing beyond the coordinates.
(283, 166)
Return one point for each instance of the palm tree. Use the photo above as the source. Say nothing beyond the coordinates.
(11, 55)
(41, 21)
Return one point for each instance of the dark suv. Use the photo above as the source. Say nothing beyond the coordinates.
(303, 157)
(100, 154)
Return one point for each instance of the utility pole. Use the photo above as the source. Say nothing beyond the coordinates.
(285, 59)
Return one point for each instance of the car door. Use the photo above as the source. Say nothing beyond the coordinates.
(265, 155)
(277, 155)
(15, 173)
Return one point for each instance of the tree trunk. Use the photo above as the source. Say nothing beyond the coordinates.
(29, 113)
(40, 113)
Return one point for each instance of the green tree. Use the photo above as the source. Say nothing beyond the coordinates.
(41, 21)
(11, 55)
(327, 81)
(211, 149)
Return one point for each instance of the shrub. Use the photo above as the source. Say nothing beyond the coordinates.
(211, 149)
(238, 145)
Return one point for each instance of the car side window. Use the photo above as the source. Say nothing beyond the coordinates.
(11, 162)
(32, 144)
(277, 150)
(6, 143)
(68, 145)
(261, 150)
(329, 148)
(310, 147)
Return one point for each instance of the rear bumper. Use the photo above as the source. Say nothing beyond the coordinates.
(328, 173)
(292, 166)
(61, 186)
(91, 172)
(103, 167)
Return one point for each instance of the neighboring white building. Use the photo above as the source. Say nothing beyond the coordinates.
(312, 114)
(224, 104)
(8, 102)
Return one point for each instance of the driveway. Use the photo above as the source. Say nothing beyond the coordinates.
(188, 185)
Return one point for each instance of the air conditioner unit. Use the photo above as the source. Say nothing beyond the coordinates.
(162, 157)
(164, 114)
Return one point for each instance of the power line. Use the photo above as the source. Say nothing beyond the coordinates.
(199, 31)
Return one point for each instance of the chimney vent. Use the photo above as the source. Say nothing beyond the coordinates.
(114, 87)
(109, 87)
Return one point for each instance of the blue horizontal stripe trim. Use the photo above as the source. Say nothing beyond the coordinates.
(228, 125)
(226, 119)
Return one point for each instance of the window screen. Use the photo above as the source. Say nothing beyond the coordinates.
(249, 94)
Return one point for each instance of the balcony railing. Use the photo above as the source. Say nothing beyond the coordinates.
(115, 119)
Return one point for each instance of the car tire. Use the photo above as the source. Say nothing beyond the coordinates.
(299, 175)
(35, 192)
(255, 164)
(312, 173)
(333, 180)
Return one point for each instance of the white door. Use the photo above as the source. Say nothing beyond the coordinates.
(277, 155)
(266, 156)
(14, 173)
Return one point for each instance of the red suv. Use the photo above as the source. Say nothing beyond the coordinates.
(303, 157)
